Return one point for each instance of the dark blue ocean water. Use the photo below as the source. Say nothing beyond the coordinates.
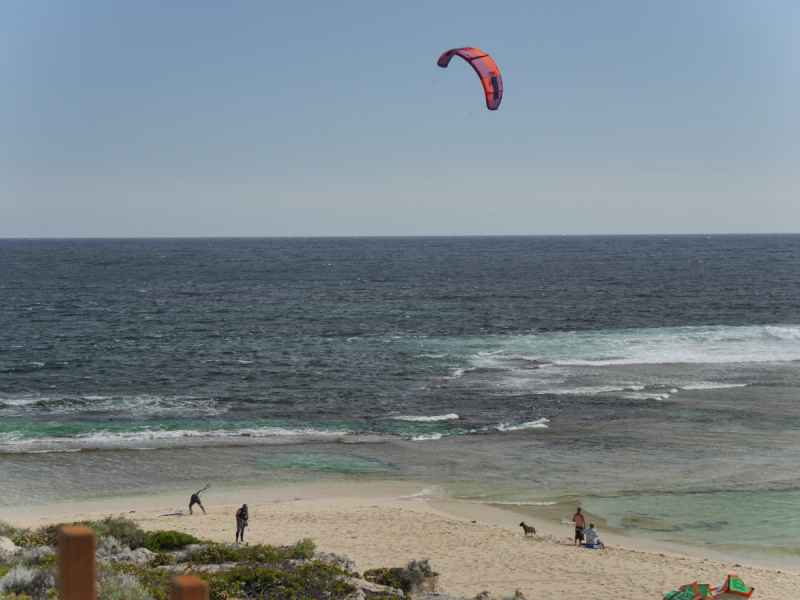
(443, 356)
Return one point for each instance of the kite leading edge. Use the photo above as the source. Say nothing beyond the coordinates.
(486, 69)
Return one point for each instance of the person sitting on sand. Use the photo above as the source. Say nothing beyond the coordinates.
(241, 522)
(591, 537)
(580, 523)
(195, 499)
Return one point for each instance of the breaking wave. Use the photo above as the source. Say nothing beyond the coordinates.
(447, 417)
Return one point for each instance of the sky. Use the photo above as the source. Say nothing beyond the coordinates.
(255, 118)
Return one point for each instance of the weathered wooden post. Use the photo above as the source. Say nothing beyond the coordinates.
(188, 587)
(77, 578)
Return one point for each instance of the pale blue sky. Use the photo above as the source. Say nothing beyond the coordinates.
(262, 118)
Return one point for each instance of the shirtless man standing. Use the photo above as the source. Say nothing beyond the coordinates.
(580, 525)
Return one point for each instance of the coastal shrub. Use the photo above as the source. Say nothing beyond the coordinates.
(305, 548)
(47, 562)
(121, 586)
(31, 556)
(46, 536)
(126, 532)
(316, 580)
(217, 554)
(421, 568)
(108, 545)
(258, 554)
(24, 580)
(17, 579)
(7, 529)
(162, 559)
(388, 577)
(158, 541)
(155, 581)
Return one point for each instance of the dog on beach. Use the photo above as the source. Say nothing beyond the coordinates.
(528, 529)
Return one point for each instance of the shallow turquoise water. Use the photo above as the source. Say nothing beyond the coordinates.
(322, 461)
(756, 525)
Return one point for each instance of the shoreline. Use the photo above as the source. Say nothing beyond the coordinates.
(474, 547)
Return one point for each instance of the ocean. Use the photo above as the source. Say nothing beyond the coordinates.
(653, 380)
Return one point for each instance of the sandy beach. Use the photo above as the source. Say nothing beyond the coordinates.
(474, 548)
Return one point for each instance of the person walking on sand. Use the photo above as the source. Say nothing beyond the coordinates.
(580, 525)
(592, 539)
(195, 499)
(241, 522)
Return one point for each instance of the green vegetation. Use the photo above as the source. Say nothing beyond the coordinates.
(159, 541)
(47, 562)
(162, 559)
(305, 548)
(121, 586)
(259, 572)
(388, 577)
(46, 536)
(124, 531)
(219, 553)
(316, 580)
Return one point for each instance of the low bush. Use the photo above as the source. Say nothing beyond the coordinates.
(217, 554)
(126, 532)
(388, 577)
(46, 536)
(162, 559)
(159, 541)
(155, 581)
(108, 545)
(316, 580)
(31, 556)
(421, 568)
(121, 586)
(48, 562)
(305, 548)
(7, 529)
(36, 583)
(220, 553)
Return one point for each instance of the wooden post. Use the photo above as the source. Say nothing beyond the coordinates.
(77, 574)
(188, 587)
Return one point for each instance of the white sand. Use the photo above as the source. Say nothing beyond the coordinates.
(470, 557)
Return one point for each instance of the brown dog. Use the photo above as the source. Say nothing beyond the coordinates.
(528, 529)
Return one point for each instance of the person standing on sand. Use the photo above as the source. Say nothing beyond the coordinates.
(195, 499)
(241, 522)
(580, 525)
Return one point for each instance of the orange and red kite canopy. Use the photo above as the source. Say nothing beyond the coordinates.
(485, 68)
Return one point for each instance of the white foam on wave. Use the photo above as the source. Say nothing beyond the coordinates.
(784, 333)
(648, 396)
(423, 495)
(583, 391)
(24, 401)
(674, 345)
(539, 424)
(458, 373)
(711, 386)
(426, 436)
(512, 503)
(104, 438)
(447, 417)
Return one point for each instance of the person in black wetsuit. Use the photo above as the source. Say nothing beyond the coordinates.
(196, 500)
(241, 522)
